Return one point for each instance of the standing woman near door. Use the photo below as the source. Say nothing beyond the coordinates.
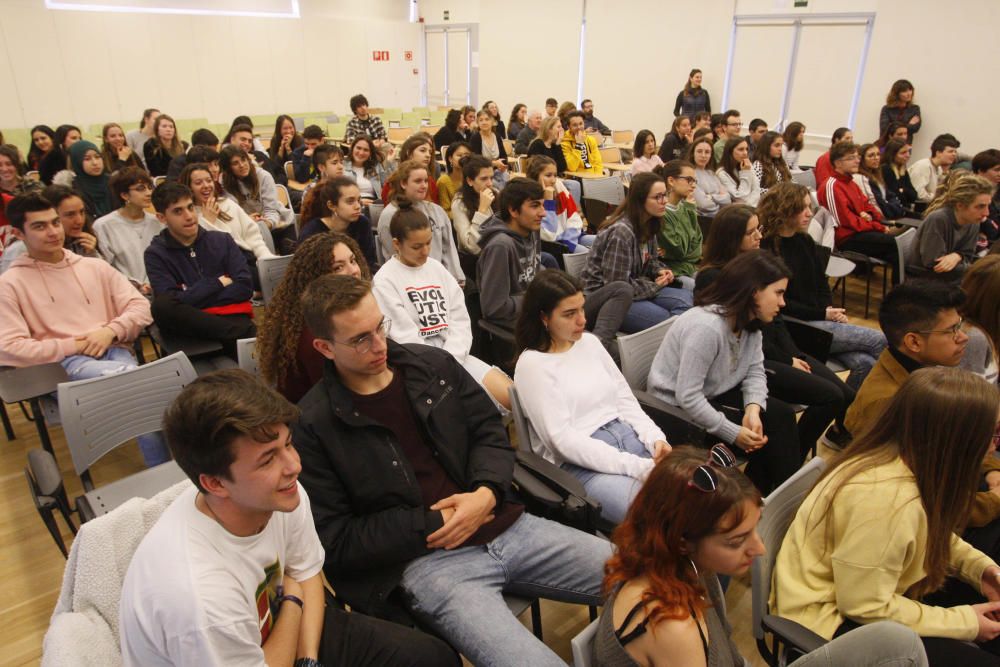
(693, 98)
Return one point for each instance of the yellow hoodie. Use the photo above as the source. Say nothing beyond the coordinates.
(868, 550)
(574, 160)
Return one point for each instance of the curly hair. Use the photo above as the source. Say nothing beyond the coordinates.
(280, 329)
(778, 209)
(958, 187)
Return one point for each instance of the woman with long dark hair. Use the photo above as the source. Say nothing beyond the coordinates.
(420, 148)
(43, 140)
(163, 146)
(711, 363)
(13, 181)
(340, 201)
(898, 187)
(676, 141)
(709, 195)
(518, 120)
(284, 140)
(453, 131)
(736, 173)
(795, 138)
(115, 150)
(769, 164)
(872, 182)
(734, 230)
(877, 533)
(253, 189)
(899, 108)
(57, 159)
(365, 167)
(449, 184)
(644, 152)
(475, 202)
(692, 98)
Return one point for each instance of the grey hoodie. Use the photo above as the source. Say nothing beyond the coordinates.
(507, 263)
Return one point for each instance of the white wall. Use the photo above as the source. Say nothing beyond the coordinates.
(85, 67)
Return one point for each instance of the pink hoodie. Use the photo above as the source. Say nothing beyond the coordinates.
(44, 307)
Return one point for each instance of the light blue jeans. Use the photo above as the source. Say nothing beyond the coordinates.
(883, 644)
(614, 492)
(459, 592)
(669, 301)
(115, 360)
(856, 347)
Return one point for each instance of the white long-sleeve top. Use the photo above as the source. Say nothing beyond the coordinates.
(709, 195)
(244, 229)
(747, 191)
(467, 230)
(924, 176)
(791, 159)
(425, 305)
(123, 242)
(569, 395)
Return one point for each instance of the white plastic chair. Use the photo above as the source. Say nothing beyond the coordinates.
(576, 262)
(271, 270)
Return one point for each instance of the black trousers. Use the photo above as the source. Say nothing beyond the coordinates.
(825, 396)
(942, 652)
(875, 244)
(356, 640)
(178, 318)
(780, 458)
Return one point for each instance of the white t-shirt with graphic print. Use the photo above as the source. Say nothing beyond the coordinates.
(195, 594)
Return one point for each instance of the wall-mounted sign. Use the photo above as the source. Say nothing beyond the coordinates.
(380, 56)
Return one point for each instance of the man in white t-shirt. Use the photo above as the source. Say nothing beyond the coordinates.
(230, 573)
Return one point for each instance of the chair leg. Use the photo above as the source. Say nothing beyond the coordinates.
(7, 427)
(62, 502)
(43, 432)
(536, 619)
(593, 612)
(50, 522)
(868, 288)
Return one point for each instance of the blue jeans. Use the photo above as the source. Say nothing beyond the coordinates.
(115, 360)
(669, 301)
(458, 592)
(614, 492)
(856, 347)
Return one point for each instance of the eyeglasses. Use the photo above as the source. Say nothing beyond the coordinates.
(660, 198)
(704, 478)
(363, 345)
(953, 330)
(142, 187)
(690, 179)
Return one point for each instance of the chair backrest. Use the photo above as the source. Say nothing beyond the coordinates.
(638, 350)
(246, 355)
(576, 262)
(821, 228)
(609, 190)
(399, 133)
(904, 245)
(101, 413)
(521, 424)
(157, 180)
(283, 195)
(508, 146)
(583, 644)
(271, 270)
(611, 154)
(289, 170)
(623, 136)
(779, 510)
(806, 178)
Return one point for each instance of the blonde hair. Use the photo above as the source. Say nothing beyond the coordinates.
(546, 127)
(959, 187)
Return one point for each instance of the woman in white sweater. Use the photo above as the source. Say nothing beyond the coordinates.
(709, 195)
(475, 202)
(580, 407)
(736, 173)
(424, 302)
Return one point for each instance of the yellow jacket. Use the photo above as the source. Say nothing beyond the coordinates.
(867, 551)
(574, 160)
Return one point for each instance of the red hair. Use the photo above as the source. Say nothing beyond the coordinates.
(666, 512)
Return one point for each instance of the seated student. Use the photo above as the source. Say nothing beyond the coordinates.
(926, 173)
(758, 128)
(78, 231)
(869, 179)
(223, 215)
(736, 174)
(510, 251)
(364, 123)
(563, 114)
(824, 163)
(475, 203)
(625, 251)
(365, 169)
(449, 184)
(794, 140)
(254, 190)
(444, 544)
(729, 127)
(301, 155)
(893, 131)
(163, 146)
(43, 140)
(784, 215)
(898, 187)
(286, 140)
(980, 284)
(88, 177)
(57, 159)
(425, 303)
(551, 106)
(251, 145)
(709, 195)
(56, 306)
(694, 520)
(418, 147)
(547, 143)
(328, 163)
(341, 198)
(563, 222)
(490, 107)
(712, 358)
(410, 181)
(518, 120)
(676, 141)
(987, 164)
(12, 179)
(945, 245)
(768, 164)
(231, 571)
(734, 230)
(679, 238)
(875, 535)
(200, 279)
(644, 152)
(469, 116)
(899, 108)
(591, 123)
(206, 143)
(701, 120)
(123, 235)
(529, 132)
(454, 130)
(859, 224)
(137, 138)
(485, 142)
(693, 98)
(116, 152)
(579, 148)
(594, 428)
(285, 349)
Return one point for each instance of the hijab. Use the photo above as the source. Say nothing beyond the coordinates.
(94, 188)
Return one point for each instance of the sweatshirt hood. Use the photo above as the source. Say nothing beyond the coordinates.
(495, 225)
(67, 263)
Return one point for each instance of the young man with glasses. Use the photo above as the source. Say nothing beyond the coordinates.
(123, 235)
(732, 125)
(408, 469)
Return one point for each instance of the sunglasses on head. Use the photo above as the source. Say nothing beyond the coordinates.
(704, 478)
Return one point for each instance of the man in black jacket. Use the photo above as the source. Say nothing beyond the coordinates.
(408, 467)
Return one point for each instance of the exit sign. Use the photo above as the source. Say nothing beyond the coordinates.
(380, 56)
